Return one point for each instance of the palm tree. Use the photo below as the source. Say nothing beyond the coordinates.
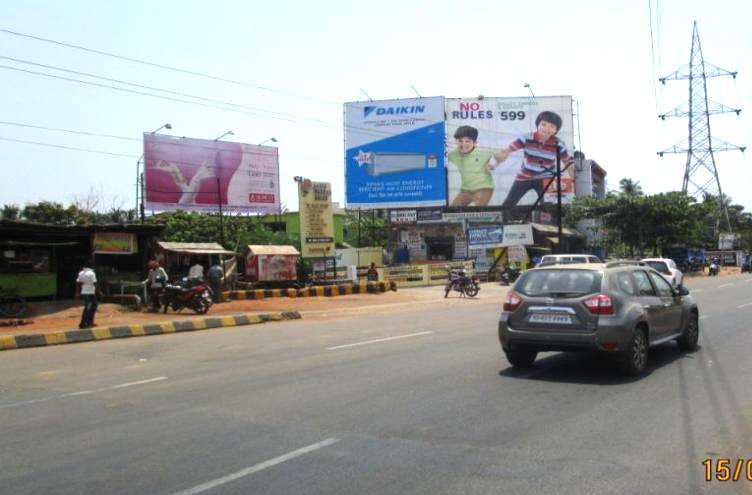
(630, 187)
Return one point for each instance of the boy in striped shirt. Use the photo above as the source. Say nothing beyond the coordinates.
(539, 161)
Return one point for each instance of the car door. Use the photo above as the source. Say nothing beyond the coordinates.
(651, 304)
(672, 305)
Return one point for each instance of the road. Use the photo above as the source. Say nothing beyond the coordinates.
(419, 401)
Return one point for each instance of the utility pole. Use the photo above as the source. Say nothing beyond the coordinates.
(701, 173)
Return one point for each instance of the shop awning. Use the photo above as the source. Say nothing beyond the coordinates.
(553, 229)
(194, 247)
(260, 250)
(39, 243)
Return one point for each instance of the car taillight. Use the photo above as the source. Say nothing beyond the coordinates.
(667, 272)
(600, 305)
(512, 302)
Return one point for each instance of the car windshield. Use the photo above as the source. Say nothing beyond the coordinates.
(559, 283)
(658, 265)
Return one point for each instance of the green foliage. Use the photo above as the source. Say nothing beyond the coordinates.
(364, 228)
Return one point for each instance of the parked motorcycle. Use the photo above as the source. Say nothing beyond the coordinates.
(510, 275)
(460, 282)
(189, 293)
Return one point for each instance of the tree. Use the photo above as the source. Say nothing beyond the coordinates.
(630, 187)
(365, 228)
(11, 212)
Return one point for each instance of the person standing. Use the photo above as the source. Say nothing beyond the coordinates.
(155, 282)
(196, 271)
(216, 275)
(87, 289)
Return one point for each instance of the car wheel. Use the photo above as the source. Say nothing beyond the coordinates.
(521, 358)
(636, 356)
(690, 337)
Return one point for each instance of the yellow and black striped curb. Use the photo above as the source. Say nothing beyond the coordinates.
(123, 331)
(322, 290)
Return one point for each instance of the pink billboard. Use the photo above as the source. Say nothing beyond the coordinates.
(200, 174)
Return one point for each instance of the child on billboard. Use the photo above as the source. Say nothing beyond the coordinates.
(539, 160)
(473, 164)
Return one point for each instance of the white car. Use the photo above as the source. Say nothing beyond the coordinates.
(667, 268)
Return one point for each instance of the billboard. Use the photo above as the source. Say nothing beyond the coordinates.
(492, 236)
(394, 153)
(200, 174)
(316, 218)
(501, 156)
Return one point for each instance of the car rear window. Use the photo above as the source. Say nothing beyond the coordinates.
(658, 265)
(559, 283)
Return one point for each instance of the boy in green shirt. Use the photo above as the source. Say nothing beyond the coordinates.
(472, 163)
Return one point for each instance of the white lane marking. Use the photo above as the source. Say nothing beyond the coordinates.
(703, 317)
(84, 392)
(376, 341)
(744, 305)
(256, 468)
(725, 285)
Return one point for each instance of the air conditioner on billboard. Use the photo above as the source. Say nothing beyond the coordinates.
(392, 163)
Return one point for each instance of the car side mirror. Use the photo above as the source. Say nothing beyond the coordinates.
(682, 291)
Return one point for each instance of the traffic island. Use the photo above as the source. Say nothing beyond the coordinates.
(317, 291)
(8, 342)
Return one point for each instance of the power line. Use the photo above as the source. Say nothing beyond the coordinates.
(70, 131)
(152, 88)
(166, 67)
(72, 148)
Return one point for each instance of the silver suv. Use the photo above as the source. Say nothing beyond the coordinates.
(568, 259)
(619, 308)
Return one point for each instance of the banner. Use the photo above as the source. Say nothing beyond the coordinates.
(491, 236)
(316, 218)
(502, 151)
(403, 217)
(394, 153)
(114, 243)
(199, 175)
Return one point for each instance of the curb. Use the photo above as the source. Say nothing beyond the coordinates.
(318, 291)
(8, 342)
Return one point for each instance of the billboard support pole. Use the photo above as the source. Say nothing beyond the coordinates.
(558, 197)
(529, 214)
(221, 219)
(141, 206)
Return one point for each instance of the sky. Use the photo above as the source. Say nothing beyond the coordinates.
(301, 60)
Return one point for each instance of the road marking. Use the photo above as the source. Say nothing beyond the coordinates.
(744, 306)
(84, 392)
(725, 285)
(703, 317)
(258, 467)
(387, 339)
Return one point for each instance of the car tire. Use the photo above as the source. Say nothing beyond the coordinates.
(636, 355)
(691, 335)
(521, 358)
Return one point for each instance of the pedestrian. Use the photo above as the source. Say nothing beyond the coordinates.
(87, 289)
(196, 271)
(155, 282)
(372, 275)
(215, 276)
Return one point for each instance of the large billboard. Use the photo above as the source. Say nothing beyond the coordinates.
(200, 174)
(316, 218)
(394, 153)
(502, 151)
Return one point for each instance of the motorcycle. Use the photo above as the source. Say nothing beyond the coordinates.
(460, 282)
(192, 294)
(715, 267)
(510, 275)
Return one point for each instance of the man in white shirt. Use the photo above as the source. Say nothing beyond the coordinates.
(196, 270)
(87, 288)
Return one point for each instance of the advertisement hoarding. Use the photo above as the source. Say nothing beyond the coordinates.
(502, 156)
(492, 236)
(394, 153)
(199, 175)
(114, 243)
(316, 218)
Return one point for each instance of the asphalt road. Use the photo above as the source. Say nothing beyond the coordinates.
(418, 401)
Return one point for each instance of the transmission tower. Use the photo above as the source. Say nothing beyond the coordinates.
(701, 174)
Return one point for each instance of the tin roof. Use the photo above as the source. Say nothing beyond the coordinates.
(257, 250)
(194, 247)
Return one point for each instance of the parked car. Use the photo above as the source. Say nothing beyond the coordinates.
(568, 259)
(619, 308)
(666, 267)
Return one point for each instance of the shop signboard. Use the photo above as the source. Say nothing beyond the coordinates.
(403, 217)
(394, 153)
(316, 218)
(505, 151)
(491, 236)
(115, 243)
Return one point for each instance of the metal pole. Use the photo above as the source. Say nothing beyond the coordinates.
(358, 227)
(558, 196)
(221, 219)
(141, 206)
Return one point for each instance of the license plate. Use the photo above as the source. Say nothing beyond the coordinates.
(558, 319)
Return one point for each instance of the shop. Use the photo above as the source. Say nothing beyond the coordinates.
(178, 257)
(41, 261)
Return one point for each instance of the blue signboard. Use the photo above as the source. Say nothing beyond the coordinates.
(485, 236)
(395, 153)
